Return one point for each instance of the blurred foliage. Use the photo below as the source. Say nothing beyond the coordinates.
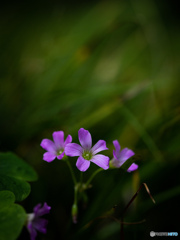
(13, 175)
(13, 187)
(12, 216)
(111, 67)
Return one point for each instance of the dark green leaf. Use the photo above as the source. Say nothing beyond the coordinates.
(13, 166)
(20, 188)
(14, 173)
(12, 216)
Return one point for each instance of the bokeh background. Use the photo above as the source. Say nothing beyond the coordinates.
(111, 67)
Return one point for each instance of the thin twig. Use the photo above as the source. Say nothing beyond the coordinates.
(121, 222)
(129, 203)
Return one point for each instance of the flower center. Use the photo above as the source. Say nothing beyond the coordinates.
(87, 155)
(60, 151)
(30, 217)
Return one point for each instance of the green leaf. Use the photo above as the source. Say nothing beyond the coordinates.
(12, 216)
(13, 166)
(14, 173)
(21, 189)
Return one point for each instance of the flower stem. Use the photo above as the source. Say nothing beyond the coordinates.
(81, 178)
(93, 175)
(74, 206)
(72, 173)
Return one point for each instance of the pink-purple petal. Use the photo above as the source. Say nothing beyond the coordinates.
(40, 224)
(32, 231)
(68, 140)
(48, 145)
(133, 167)
(58, 138)
(124, 155)
(101, 160)
(82, 164)
(85, 138)
(60, 156)
(116, 152)
(39, 211)
(73, 150)
(98, 147)
(36, 208)
(35, 222)
(115, 163)
(49, 157)
(117, 145)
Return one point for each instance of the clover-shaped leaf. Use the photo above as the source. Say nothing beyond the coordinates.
(12, 216)
(14, 173)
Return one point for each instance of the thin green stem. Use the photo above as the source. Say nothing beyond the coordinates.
(81, 178)
(72, 173)
(93, 175)
(75, 206)
(75, 194)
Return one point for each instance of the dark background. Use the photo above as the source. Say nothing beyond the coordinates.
(111, 67)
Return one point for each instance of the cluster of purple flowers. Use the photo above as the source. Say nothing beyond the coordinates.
(85, 152)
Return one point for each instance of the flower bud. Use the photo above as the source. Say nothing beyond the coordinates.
(74, 213)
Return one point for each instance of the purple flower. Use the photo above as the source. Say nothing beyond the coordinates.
(35, 223)
(120, 156)
(86, 153)
(56, 148)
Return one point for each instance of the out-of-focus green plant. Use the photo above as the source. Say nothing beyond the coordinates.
(12, 216)
(14, 174)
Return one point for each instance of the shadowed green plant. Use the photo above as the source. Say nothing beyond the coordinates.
(111, 67)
